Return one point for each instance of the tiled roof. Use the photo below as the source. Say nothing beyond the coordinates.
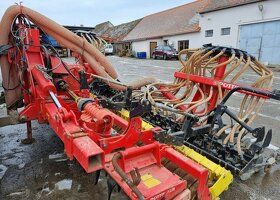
(101, 28)
(117, 33)
(178, 20)
(223, 4)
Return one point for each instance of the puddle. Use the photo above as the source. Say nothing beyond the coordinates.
(56, 156)
(64, 184)
(16, 194)
(61, 160)
(21, 166)
(3, 170)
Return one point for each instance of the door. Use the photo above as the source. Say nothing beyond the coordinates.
(252, 46)
(153, 45)
(262, 40)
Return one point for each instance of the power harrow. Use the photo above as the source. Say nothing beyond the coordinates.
(154, 140)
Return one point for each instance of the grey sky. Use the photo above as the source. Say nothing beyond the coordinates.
(92, 12)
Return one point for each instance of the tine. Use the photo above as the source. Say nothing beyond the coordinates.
(267, 139)
(111, 185)
(97, 175)
(260, 134)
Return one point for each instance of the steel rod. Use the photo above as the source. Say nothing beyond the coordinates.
(55, 100)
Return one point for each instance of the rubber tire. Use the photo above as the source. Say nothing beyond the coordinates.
(164, 57)
(154, 56)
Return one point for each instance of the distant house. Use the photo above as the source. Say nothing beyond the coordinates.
(177, 26)
(115, 35)
(252, 25)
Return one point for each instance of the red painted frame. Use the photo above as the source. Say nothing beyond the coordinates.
(91, 150)
(209, 83)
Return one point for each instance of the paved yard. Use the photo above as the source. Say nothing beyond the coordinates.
(41, 171)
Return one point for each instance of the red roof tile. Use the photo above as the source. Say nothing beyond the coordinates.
(223, 4)
(102, 28)
(178, 20)
(117, 33)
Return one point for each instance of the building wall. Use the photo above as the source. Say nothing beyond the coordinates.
(194, 40)
(139, 46)
(144, 46)
(234, 18)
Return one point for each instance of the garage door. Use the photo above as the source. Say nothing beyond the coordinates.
(262, 40)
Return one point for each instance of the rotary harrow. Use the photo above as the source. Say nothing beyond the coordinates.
(154, 140)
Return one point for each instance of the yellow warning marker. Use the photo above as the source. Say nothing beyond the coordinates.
(149, 181)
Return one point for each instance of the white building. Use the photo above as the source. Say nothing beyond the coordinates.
(177, 26)
(252, 25)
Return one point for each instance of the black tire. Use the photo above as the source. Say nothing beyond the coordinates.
(154, 56)
(164, 57)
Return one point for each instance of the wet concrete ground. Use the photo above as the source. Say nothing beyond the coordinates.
(41, 170)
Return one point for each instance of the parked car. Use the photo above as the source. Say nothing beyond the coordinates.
(108, 50)
(165, 52)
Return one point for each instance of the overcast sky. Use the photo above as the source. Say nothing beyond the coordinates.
(92, 12)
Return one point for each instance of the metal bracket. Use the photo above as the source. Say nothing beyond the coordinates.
(143, 107)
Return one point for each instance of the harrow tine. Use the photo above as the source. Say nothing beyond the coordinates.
(111, 184)
(259, 133)
(119, 188)
(97, 175)
(267, 139)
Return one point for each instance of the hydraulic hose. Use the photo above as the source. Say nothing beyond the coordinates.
(205, 62)
(123, 175)
(97, 61)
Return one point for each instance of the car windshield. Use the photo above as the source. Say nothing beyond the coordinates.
(166, 48)
(109, 46)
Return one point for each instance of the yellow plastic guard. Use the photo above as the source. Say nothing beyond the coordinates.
(222, 177)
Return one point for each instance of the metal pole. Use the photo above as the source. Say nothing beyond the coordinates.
(55, 100)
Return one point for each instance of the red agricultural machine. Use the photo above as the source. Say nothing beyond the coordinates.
(154, 140)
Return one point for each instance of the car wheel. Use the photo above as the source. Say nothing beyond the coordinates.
(164, 57)
(154, 56)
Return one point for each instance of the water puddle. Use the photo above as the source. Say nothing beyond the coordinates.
(64, 184)
(56, 156)
(3, 170)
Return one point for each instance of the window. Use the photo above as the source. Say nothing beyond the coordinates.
(183, 44)
(209, 33)
(225, 31)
